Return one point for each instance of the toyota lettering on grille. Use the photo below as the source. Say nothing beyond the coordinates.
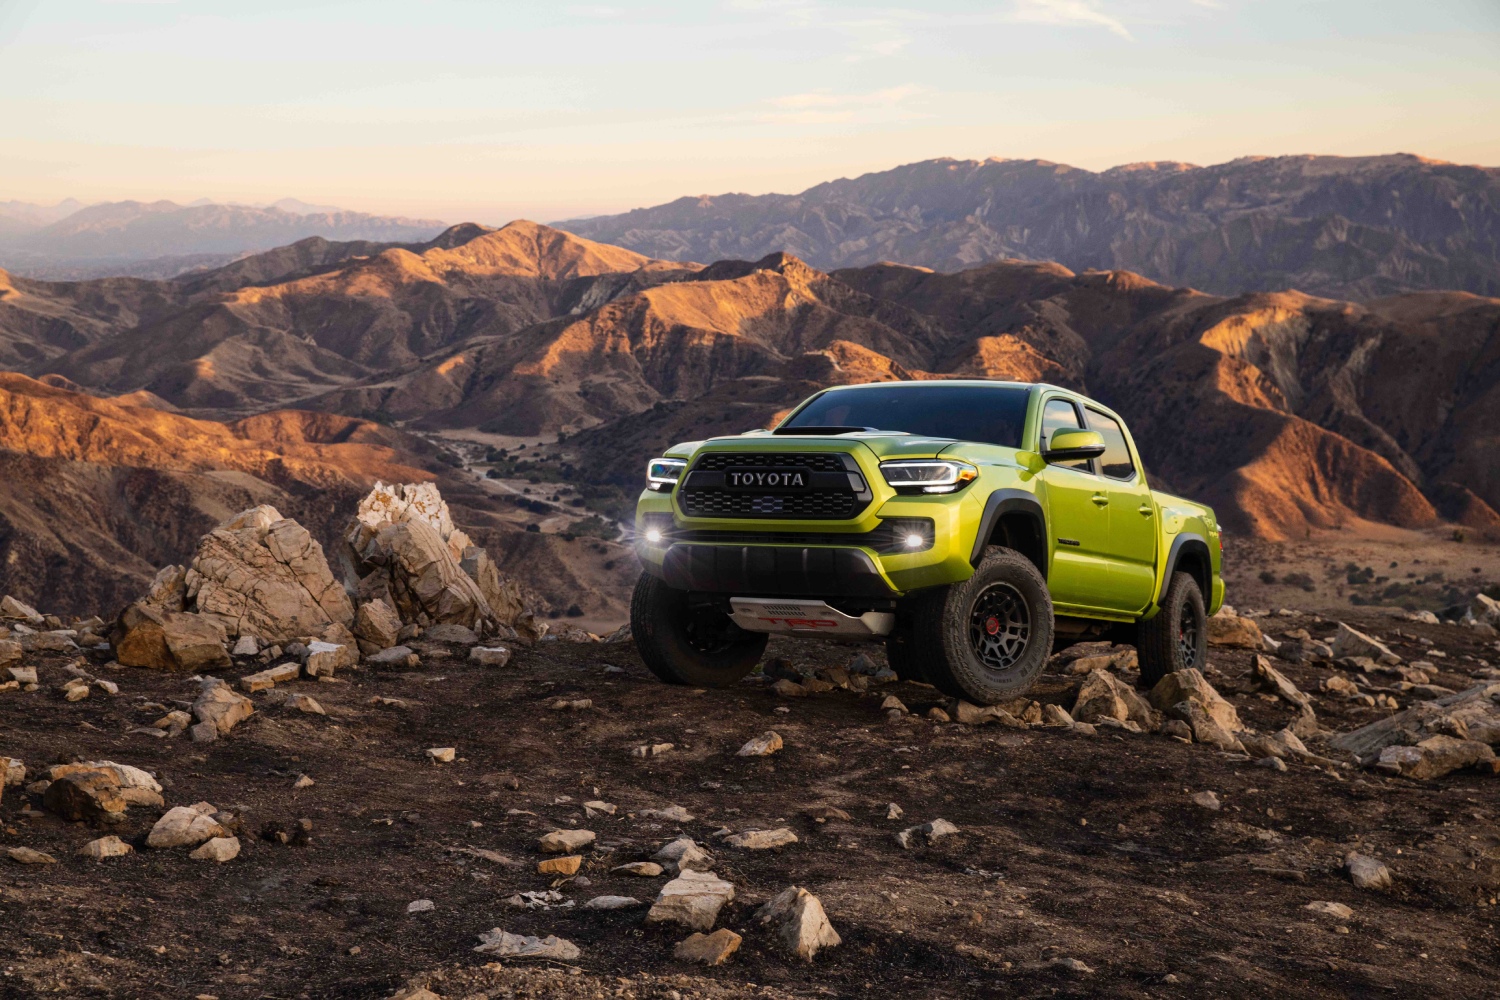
(767, 479)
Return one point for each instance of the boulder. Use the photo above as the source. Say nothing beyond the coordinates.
(184, 826)
(1229, 630)
(1485, 609)
(145, 636)
(929, 832)
(1284, 745)
(763, 745)
(376, 626)
(450, 633)
(1433, 757)
(684, 854)
(28, 856)
(974, 715)
(168, 590)
(761, 840)
(1352, 642)
(105, 847)
(710, 949)
(566, 865)
(268, 678)
(395, 658)
(11, 654)
(15, 610)
(87, 796)
(489, 656)
(503, 944)
(1275, 682)
(612, 903)
(219, 706)
(1105, 696)
(693, 899)
(403, 548)
(102, 780)
(264, 575)
(1190, 685)
(1206, 729)
(559, 841)
(218, 849)
(323, 658)
(1366, 872)
(802, 927)
(502, 594)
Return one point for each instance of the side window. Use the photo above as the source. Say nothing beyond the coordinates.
(1060, 415)
(1115, 462)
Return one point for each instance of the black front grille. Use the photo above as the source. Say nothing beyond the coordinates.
(836, 490)
(819, 462)
(720, 503)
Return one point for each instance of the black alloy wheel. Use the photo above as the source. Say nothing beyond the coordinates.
(999, 626)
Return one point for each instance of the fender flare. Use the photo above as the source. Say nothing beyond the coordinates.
(1185, 540)
(1004, 501)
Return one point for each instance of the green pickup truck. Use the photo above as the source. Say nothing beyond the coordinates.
(971, 526)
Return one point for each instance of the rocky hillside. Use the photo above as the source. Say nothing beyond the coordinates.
(1344, 227)
(1286, 411)
(260, 787)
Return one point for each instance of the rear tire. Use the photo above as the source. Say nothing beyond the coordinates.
(680, 644)
(985, 640)
(1177, 637)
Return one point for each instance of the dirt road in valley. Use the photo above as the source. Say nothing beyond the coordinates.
(1082, 867)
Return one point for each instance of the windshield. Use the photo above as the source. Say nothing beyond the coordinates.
(992, 414)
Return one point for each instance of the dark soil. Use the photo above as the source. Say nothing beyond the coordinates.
(1071, 847)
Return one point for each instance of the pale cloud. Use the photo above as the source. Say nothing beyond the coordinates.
(594, 10)
(1075, 12)
(822, 107)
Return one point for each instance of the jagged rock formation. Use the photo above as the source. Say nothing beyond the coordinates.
(263, 575)
(403, 550)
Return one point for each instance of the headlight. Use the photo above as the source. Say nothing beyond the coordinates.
(928, 475)
(662, 473)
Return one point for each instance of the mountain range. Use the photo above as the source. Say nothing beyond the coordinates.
(162, 239)
(1343, 227)
(1286, 411)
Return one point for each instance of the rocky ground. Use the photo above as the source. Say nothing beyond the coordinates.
(1084, 863)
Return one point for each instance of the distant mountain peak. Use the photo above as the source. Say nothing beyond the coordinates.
(1352, 227)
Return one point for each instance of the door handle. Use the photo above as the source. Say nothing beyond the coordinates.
(1145, 510)
(1101, 499)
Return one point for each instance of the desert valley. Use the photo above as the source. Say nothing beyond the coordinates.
(278, 721)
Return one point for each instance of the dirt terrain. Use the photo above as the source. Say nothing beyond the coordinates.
(1082, 865)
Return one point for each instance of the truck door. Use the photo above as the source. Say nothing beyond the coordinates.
(1130, 545)
(1079, 522)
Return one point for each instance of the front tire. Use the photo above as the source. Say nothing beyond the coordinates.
(682, 644)
(985, 640)
(901, 653)
(1177, 637)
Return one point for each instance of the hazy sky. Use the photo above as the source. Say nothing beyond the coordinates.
(491, 110)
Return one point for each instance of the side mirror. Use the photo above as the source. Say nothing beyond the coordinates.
(1067, 446)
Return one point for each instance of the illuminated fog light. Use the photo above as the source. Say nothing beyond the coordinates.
(653, 535)
(915, 541)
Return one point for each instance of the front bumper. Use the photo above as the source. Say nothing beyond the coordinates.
(822, 559)
(774, 570)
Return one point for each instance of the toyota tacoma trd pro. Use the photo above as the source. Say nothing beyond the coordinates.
(971, 526)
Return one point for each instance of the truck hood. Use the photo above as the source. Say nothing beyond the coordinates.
(885, 446)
